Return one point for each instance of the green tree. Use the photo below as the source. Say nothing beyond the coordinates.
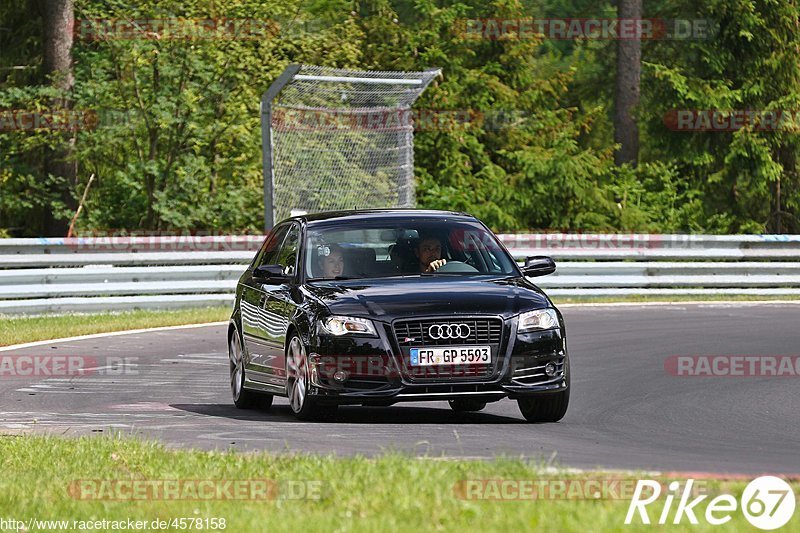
(745, 180)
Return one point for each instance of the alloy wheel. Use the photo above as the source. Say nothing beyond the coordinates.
(236, 365)
(297, 374)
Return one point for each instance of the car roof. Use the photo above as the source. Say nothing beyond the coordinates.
(365, 214)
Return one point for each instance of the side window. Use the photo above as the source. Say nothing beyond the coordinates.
(287, 257)
(494, 261)
(268, 254)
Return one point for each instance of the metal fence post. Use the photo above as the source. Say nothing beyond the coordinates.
(268, 168)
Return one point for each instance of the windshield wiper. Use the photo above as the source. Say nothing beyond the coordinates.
(337, 278)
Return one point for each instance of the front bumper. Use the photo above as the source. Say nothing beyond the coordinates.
(376, 371)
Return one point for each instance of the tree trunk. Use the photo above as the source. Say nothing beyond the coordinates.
(58, 20)
(626, 91)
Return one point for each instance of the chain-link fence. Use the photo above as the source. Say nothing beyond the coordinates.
(339, 139)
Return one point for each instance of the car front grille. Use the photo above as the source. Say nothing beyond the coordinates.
(481, 331)
(478, 332)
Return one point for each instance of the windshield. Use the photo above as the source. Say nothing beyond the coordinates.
(377, 249)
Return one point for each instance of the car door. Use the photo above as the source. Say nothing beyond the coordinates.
(280, 306)
(255, 322)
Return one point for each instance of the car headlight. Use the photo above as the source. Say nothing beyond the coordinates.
(347, 325)
(538, 320)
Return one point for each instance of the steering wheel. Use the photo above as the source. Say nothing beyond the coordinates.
(456, 266)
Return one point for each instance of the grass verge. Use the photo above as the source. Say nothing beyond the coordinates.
(50, 478)
(20, 329)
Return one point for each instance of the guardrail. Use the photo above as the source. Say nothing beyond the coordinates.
(114, 273)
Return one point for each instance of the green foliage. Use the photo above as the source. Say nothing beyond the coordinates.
(180, 148)
(26, 192)
(748, 63)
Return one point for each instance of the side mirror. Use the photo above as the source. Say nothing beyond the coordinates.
(270, 274)
(539, 265)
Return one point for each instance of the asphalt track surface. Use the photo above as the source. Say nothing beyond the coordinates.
(626, 410)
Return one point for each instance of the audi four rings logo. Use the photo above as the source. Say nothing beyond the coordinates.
(449, 331)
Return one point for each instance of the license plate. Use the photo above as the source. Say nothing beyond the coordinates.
(451, 355)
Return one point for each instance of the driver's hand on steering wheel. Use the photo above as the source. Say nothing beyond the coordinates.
(436, 265)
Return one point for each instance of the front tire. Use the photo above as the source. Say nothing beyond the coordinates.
(547, 408)
(242, 398)
(297, 385)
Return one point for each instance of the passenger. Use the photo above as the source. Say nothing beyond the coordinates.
(330, 260)
(429, 253)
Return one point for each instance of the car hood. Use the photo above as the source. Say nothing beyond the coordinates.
(390, 298)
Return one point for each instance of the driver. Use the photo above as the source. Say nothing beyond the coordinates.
(429, 253)
(330, 259)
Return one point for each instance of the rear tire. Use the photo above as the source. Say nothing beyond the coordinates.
(243, 398)
(297, 382)
(547, 408)
(466, 405)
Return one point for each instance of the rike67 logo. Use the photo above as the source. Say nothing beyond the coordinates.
(768, 503)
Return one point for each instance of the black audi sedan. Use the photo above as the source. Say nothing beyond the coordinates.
(376, 307)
